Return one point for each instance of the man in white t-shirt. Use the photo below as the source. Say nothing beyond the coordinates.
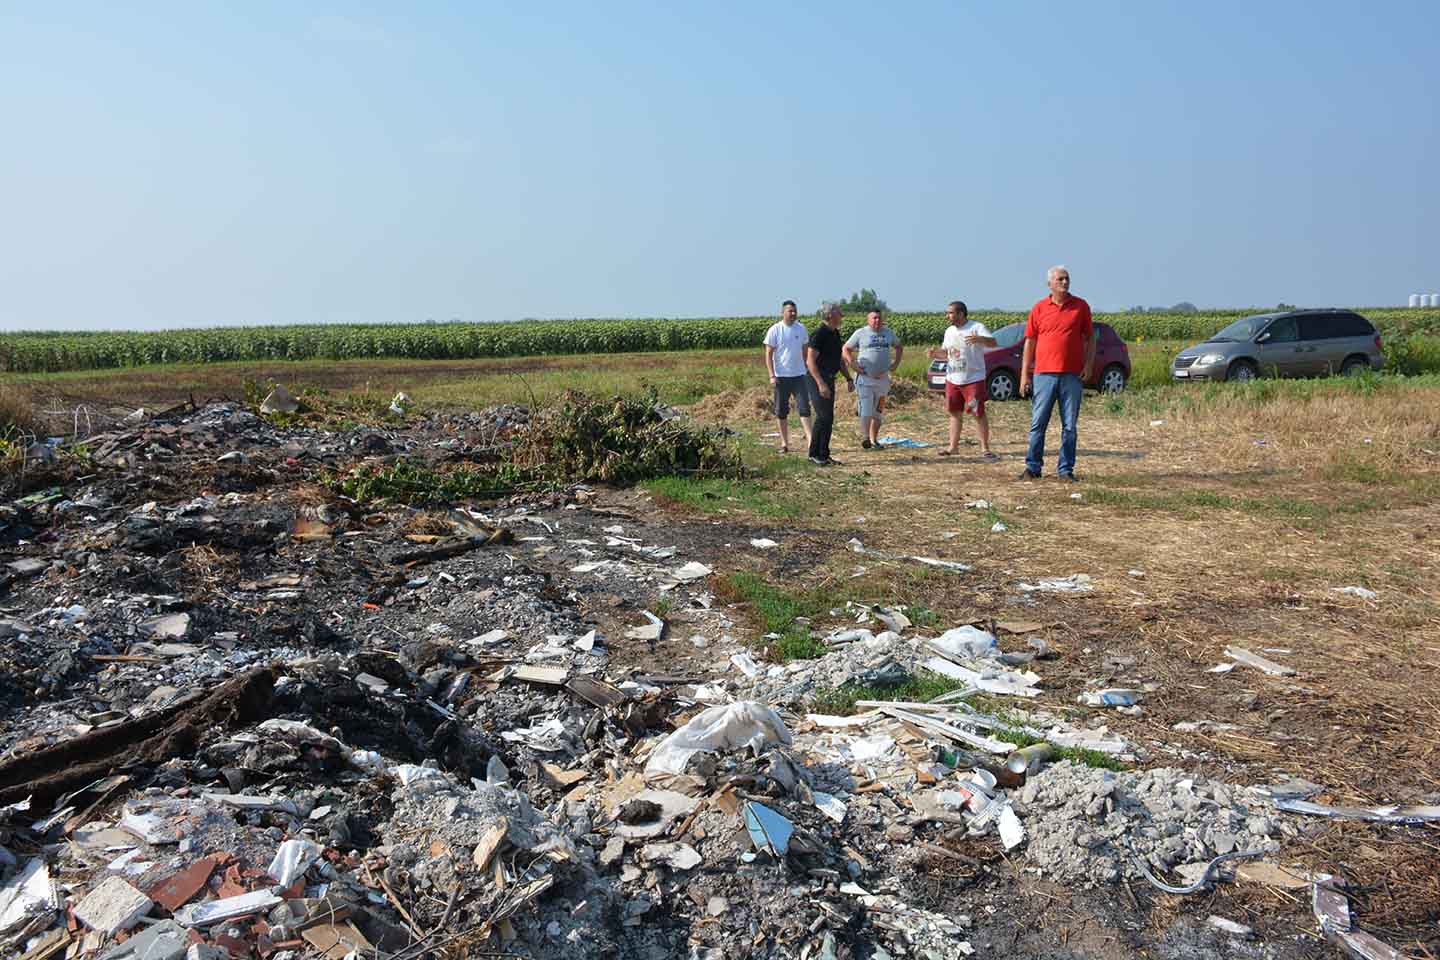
(785, 359)
(963, 351)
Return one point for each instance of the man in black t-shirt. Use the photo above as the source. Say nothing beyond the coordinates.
(824, 361)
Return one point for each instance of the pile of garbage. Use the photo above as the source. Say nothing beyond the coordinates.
(243, 717)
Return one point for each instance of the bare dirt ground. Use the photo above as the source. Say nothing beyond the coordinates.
(1234, 521)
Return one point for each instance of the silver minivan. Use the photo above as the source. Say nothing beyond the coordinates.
(1297, 343)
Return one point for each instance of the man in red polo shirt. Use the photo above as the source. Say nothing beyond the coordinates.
(1060, 349)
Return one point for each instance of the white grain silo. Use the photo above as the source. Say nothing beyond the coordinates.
(1434, 300)
(1417, 300)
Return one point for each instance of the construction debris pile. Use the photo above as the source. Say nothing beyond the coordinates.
(242, 717)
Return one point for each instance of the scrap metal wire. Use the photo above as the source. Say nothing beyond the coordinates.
(1198, 885)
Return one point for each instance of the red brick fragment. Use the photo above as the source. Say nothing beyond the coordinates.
(180, 888)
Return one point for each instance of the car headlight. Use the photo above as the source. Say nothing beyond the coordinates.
(1207, 359)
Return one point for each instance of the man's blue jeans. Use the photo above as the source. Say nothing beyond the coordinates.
(1048, 388)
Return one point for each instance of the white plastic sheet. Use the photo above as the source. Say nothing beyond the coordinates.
(966, 642)
(292, 859)
(729, 727)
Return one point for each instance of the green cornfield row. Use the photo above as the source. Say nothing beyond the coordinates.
(54, 352)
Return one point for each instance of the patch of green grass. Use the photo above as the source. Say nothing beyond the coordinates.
(406, 481)
(1348, 468)
(920, 688)
(1192, 503)
(922, 616)
(1090, 758)
(778, 610)
(721, 494)
(797, 644)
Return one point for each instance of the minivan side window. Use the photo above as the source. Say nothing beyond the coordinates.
(1324, 326)
(1353, 325)
(1319, 326)
(1283, 331)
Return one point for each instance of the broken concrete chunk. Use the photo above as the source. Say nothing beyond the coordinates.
(165, 940)
(150, 827)
(679, 856)
(612, 852)
(112, 906)
(27, 567)
(691, 571)
(672, 806)
(174, 626)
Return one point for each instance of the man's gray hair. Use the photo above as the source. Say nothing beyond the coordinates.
(1058, 268)
(829, 309)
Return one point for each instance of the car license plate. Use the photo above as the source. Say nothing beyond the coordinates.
(1182, 374)
(937, 381)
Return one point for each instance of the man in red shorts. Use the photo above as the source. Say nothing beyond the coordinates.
(963, 351)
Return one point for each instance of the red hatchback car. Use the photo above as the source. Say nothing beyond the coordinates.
(1002, 364)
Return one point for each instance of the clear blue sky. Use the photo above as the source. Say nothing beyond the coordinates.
(175, 164)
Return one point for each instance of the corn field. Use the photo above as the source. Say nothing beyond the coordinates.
(53, 352)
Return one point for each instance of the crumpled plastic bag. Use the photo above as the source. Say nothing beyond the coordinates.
(729, 727)
(967, 641)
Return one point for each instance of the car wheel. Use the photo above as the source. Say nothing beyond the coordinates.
(1242, 370)
(1002, 385)
(1113, 379)
(1354, 366)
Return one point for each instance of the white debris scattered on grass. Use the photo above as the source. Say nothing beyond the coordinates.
(1360, 592)
(1258, 662)
(763, 543)
(943, 564)
(1075, 583)
(998, 527)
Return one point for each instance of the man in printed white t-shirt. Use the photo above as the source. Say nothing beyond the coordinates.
(785, 359)
(963, 351)
(868, 352)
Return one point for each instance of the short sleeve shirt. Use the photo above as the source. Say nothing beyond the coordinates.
(1061, 333)
(826, 344)
(966, 361)
(873, 348)
(788, 343)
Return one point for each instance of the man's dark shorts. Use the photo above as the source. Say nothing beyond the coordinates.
(785, 388)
